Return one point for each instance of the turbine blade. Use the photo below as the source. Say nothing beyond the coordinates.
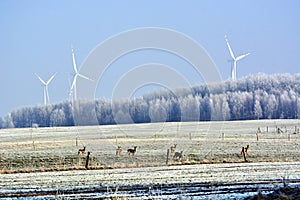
(87, 78)
(229, 48)
(50, 79)
(74, 63)
(242, 56)
(40, 79)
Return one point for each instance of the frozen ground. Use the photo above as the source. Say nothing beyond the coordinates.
(272, 157)
(219, 181)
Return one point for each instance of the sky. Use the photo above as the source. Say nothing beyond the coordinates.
(36, 37)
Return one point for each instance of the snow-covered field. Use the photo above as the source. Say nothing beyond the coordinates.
(219, 181)
(272, 156)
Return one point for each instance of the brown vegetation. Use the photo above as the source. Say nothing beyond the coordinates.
(54, 148)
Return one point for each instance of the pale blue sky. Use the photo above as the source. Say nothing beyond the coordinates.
(36, 37)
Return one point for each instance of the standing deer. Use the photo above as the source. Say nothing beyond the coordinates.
(245, 150)
(81, 151)
(131, 151)
(118, 150)
(173, 148)
(177, 155)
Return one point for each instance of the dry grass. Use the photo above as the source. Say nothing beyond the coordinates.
(46, 149)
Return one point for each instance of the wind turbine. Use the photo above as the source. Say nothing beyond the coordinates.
(235, 59)
(70, 92)
(45, 84)
(73, 86)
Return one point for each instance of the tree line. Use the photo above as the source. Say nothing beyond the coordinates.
(254, 97)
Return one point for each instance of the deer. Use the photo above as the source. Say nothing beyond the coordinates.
(173, 148)
(131, 151)
(245, 150)
(177, 155)
(118, 150)
(81, 151)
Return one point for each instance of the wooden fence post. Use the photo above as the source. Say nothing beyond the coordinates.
(168, 153)
(87, 160)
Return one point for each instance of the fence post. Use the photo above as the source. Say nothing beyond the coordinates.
(87, 160)
(168, 153)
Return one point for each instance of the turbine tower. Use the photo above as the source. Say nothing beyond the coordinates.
(234, 59)
(45, 84)
(73, 86)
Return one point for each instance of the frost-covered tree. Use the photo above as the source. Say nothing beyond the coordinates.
(174, 110)
(254, 97)
(216, 108)
(42, 115)
(139, 110)
(121, 112)
(1, 123)
(298, 107)
(58, 118)
(104, 112)
(205, 109)
(158, 110)
(271, 105)
(257, 109)
(225, 109)
(189, 107)
(9, 121)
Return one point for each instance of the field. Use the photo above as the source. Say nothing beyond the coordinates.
(211, 156)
